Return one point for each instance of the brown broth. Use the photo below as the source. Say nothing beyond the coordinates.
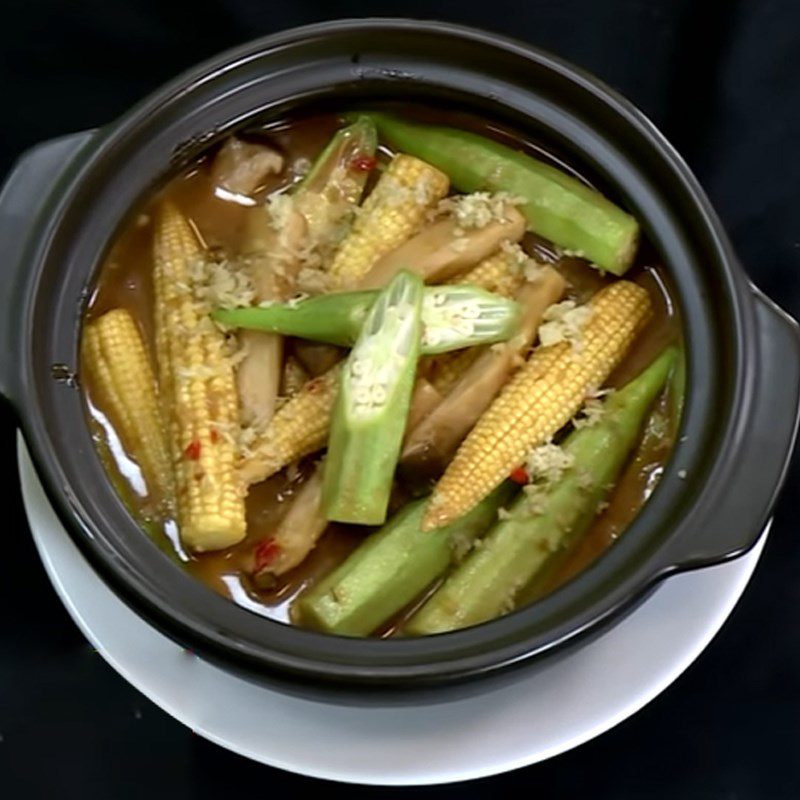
(125, 281)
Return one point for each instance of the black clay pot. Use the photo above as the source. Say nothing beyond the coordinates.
(65, 199)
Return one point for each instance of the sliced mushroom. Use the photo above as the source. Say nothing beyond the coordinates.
(443, 249)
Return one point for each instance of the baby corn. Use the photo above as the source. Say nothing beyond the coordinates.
(301, 425)
(115, 356)
(500, 273)
(198, 393)
(298, 428)
(394, 210)
(539, 400)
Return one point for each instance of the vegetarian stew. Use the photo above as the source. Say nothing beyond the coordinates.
(382, 373)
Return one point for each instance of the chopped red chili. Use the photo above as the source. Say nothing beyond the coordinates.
(192, 450)
(520, 476)
(265, 553)
(363, 163)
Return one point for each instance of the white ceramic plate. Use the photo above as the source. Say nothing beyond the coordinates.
(541, 714)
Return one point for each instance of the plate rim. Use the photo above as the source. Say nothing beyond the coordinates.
(746, 565)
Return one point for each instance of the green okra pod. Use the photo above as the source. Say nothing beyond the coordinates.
(453, 317)
(392, 567)
(486, 583)
(330, 191)
(371, 409)
(557, 206)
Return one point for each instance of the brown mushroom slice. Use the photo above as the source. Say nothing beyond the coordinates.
(424, 399)
(444, 249)
(296, 535)
(240, 167)
(294, 376)
(317, 358)
(433, 441)
(273, 262)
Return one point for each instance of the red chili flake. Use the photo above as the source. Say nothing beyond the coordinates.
(315, 385)
(520, 476)
(265, 553)
(192, 450)
(363, 163)
(214, 436)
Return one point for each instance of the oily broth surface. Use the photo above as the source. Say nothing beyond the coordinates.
(125, 281)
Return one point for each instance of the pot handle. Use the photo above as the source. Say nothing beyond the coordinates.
(744, 504)
(22, 197)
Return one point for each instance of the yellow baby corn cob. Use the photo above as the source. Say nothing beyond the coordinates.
(501, 273)
(299, 427)
(198, 392)
(115, 356)
(538, 401)
(394, 210)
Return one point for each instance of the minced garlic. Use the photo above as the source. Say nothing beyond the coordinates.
(461, 544)
(279, 207)
(301, 166)
(478, 209)
(229, 286)
(529, 266)
(313, 281)
(545, 466)
(591, 413)
(564, 322)
(548, 462)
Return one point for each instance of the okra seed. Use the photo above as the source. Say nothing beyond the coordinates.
(379, 394)
(362, 394)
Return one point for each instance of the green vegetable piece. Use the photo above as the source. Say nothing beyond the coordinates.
(357, 140)
(677, 391)
(369, 417)
(331, 318)
(485, 585)
(462, 316)
(332, 188)
(558, 206)
(452, 317)
(392, 567)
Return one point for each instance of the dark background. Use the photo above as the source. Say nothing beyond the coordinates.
(723, 83)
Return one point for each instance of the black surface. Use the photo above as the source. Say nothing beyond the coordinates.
(722, 84)
(737, 347)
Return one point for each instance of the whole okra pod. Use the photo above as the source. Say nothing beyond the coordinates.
(392, 567)
(369, 417)
(486, 583)
(557, 206)
(453, 317)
